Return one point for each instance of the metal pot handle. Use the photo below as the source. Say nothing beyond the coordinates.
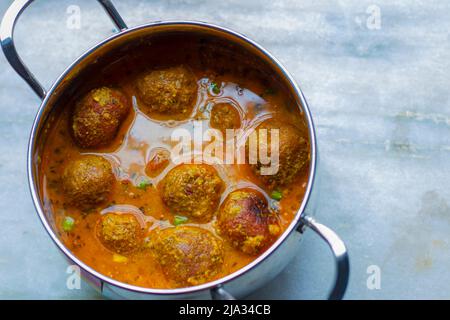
(340, 253)
(7, 40)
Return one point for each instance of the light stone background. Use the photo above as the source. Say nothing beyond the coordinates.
(380, 101)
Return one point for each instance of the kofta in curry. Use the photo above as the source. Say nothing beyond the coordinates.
(98, 116)
(138, 216)
(246, 221)
(293, 153)
(193, 190)
(224, 116)
(167, 91)
(121, 233)
(88, 181)
(188, 255)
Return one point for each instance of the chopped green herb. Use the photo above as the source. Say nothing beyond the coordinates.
(68, 224)
(269, 91)
(276, 195)
(215, 88)
(179, 220)
(144, 184)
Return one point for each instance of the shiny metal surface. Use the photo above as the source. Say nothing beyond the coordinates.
(241, 282)
(339, 251)
(219, 293)
(7, 42)
(113, 14)
(7, 39)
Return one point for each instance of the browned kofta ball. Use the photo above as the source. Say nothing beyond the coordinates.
(224, 116)
(167, 91)
(293, 153)
(192, 190)
(245, 220)
(119, 232)
(98, 116)
(188, 255)
(88, 180)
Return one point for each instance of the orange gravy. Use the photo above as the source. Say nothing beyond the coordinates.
(131, 151)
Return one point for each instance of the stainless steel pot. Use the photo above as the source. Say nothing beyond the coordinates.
(241, 282)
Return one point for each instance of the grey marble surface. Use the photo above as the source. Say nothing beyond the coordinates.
(381, 103)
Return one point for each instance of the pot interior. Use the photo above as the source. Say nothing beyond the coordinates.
(156, 45)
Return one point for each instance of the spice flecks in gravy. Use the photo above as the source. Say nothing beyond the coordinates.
(219, 80)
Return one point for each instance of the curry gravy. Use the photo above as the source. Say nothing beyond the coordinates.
(254, 95)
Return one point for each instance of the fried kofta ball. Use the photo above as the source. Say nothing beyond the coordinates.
(188, 255)
(224, 116)
(98, 116)
(121, 233)
(88, 181)
(245, 220)
(192, 190)
(167, 91)
(293, 153)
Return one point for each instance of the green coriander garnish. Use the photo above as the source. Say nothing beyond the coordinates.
(68, 224)
(144, 184)
(215, 88)
(276, 195)
(269, 91)
(179, 220)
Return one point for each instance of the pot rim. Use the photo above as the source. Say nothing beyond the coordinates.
(209, 285)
